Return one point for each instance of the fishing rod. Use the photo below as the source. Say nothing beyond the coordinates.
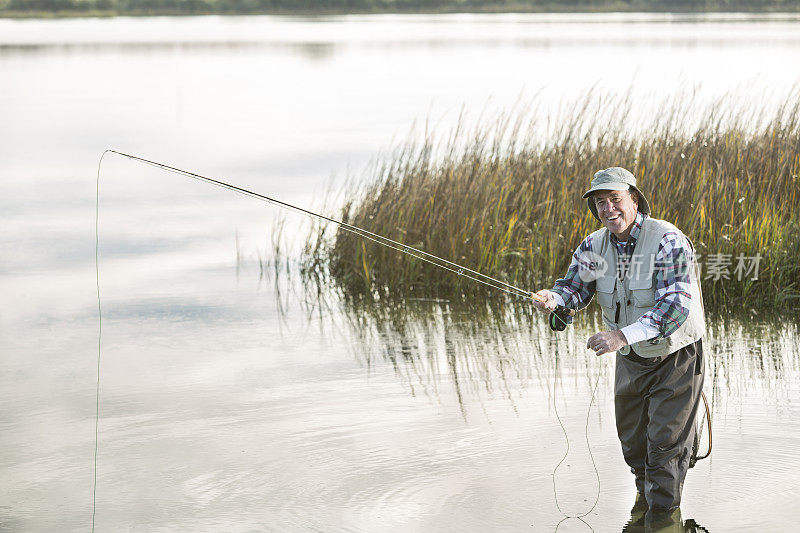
(558, 317)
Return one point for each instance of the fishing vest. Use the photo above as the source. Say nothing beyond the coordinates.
(624, 302)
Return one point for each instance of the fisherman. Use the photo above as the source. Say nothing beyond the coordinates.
(642, 271)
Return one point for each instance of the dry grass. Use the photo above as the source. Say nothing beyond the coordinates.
(505, 199)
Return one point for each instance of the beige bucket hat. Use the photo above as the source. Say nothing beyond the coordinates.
(614, 179)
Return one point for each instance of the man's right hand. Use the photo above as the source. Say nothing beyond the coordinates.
(544, 301)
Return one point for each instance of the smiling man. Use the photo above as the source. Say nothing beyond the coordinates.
(642, 271)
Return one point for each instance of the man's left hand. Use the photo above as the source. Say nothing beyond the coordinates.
(606, 341)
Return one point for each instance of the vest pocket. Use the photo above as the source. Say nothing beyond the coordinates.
(642, 292)
(643, 298)
(605, 291)
(605, 299)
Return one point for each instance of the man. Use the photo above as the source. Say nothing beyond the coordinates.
(642, 271)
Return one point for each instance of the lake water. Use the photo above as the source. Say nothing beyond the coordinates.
(232, 397)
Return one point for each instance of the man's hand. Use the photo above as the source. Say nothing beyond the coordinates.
(606, 341)
(545, 301)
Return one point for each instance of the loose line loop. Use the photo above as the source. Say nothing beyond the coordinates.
(566, 453)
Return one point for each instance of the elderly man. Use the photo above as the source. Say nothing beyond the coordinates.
(642, 271)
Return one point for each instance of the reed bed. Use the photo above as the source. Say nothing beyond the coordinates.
(504, 197)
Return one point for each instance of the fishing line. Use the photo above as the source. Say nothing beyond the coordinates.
(99, 332)
(566, 453)
(559, 315)
(558, 525)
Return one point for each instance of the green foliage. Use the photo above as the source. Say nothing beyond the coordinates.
(504, 203)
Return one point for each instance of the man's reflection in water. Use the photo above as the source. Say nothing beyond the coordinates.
(643, 521)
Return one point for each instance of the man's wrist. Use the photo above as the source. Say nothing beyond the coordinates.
(558, 298)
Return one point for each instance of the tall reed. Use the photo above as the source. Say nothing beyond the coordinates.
(504, 198)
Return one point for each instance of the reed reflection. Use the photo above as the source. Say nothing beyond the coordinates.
(498, 346)
(476, 352)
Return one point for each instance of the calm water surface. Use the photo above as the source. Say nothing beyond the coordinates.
(231, 397)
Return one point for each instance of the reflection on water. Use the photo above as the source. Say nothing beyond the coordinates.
(481, 351)
(483, 347)
(308, 50)
(674, 523)
(496, 351)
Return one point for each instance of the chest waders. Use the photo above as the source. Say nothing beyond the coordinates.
(658, 383)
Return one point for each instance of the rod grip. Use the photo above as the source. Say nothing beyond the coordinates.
(560, 309)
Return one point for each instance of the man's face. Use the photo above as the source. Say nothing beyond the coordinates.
(617, 211)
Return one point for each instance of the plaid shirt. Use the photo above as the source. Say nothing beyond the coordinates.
(670, 273)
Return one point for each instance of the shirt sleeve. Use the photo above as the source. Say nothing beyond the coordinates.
(672, 265)
(638, 332)
(576, 288)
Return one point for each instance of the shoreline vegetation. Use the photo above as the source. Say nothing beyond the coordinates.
(503, 197)
(112, 8)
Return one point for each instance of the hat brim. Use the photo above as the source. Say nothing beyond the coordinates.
(611, 186)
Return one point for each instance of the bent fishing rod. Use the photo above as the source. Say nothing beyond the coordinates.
(558, 317)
